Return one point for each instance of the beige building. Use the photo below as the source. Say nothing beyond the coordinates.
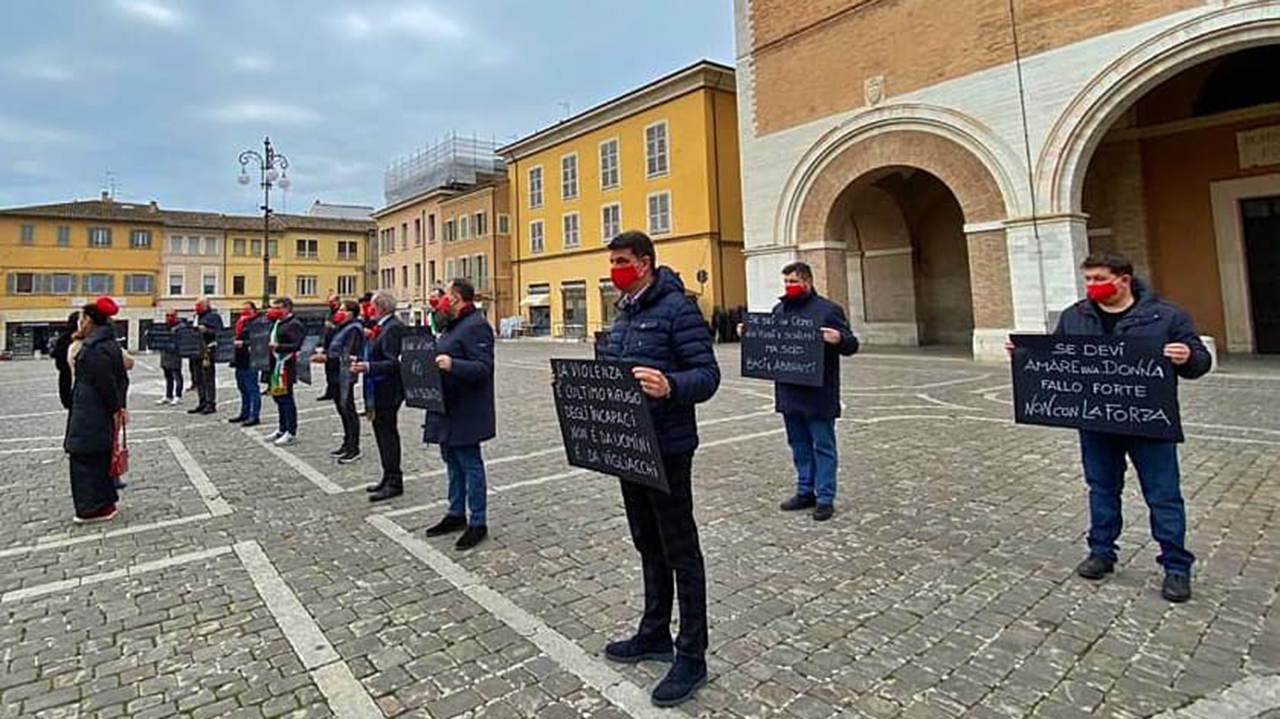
(477, 246)
(940, 212)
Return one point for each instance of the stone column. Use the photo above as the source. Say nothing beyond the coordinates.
(764, 274)
(989, 284)
(830, 269)
(1044, 268)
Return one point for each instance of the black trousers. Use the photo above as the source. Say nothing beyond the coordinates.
(387, 433)
(330, 377)
(207, 385)
(350, 419)
(92, 490)
(173, 383)
(664, 532)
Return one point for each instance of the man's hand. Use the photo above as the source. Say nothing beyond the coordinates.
(740, 329)
(444, 362)
(1009, 347)
(317, 358)
(359, 367)
(831, 337)
(1177, 352)
(239, 344)
(652, 382)
(123, 417)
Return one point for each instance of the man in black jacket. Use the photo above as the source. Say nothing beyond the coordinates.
(383, 392)
(330, 363)
(208, 322)
(810, 413)
(1120, 304)
(287, 334)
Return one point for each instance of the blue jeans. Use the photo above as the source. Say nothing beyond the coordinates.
(288, 409)
(250, 397)
(1157, 465)
(813, 449)
(467, 484)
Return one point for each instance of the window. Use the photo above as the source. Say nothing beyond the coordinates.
(237, 285)
(307, 285)
(569, 225)
(464, 268)
(99, 284)
(346, 284)
(450, 274)
(464, 227)
(28, 234)
(175, 244)
(273, 248)
(417, 232)
(177, 282)
(99, 236)
(431, 273)
(64, 236)
(273, 285)
(449, 231)
(347, 250)
(431, 228)
(209, 282)
(655, 149)
(569, 176)
(659, 213)
(417, 275)
(404, 235)
(138, 284)
(609, 297)
(387, 241)
(480, 224)
(404, 276)
(255, 248)
(237, 247)
(139, 240)
(535, 187)
(22, 283)
(504, 224)
(211, 246)
(610, 221)
(608, 164)
(482, 272)
(308, 249)
(536, 240)
(62, 284)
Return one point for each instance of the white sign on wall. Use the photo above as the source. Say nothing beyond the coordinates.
(1259, 148)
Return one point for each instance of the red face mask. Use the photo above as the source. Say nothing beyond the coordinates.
(794, 292)
(624, 276)
(367, 311)
(275, 314)
(340, 318)
(1102, 291)
(444, 304)
(171, 320)
(199, 308)
(434, 302)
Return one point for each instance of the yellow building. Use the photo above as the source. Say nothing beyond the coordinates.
(477, 247)
(662, 159)
(310, 258)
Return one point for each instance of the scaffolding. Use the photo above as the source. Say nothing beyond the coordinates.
(453, 162)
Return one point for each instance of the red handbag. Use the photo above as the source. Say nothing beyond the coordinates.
(119, 450)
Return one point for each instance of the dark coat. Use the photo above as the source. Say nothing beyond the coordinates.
(209, 323)
(468, 387)
(98, 394)
(289, 334)
(816, 402)
(1149, 317)
(59, 354)
(664, 330)
(241, 358)
(382, 387)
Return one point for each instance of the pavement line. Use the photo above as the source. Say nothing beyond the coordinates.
(614, 687)
(133, 571)
(492, 490)
(1249, 697)
(315, 476)
(347, 697)
(212, 497)
(42, 545)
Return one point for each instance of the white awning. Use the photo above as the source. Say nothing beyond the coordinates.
(536, 300)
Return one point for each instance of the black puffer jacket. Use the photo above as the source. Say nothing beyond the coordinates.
(97, 395)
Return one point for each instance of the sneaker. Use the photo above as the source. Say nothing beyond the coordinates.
(1176, 588)
(448, 525)
(284, 440)
(799, 502)
(1095, 568)
(175, 401)
(274, 436)
(106, 514)
(823, 512)
(635, 650)
(471, 537)
(349, 457)
(681, 682)
(164, 400)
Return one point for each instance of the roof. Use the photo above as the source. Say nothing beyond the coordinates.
(701, 74)
(151, 213)
(340, 212)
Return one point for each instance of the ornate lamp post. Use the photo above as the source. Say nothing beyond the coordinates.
(272, 167)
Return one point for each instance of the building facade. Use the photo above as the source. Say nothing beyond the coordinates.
(477, 246)
(947, 189)
(662, 159)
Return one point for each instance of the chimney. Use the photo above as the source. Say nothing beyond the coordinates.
(155, 208)
(106, 196)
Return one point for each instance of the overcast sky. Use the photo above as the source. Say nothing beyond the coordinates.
(164, 94)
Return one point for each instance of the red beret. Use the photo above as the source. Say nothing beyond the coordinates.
(107, 306)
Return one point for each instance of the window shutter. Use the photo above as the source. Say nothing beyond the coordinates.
(11, 283)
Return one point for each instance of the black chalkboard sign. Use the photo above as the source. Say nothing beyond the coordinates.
(259, 345)
(787, 349)
(1118, 385)
(226, 350)
(419, 373)
(160, 338)
(22, 344)
(308, 347)
(601, 344)
(605, 422)
(346, 378)
(187, 339)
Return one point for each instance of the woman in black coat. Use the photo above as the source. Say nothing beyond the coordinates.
(61, 361)
(97, 404)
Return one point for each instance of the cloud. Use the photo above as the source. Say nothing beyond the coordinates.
(264, 112)
(15, 132)
(253, 63)
(419, 20)
(152, 13)
(27, 167)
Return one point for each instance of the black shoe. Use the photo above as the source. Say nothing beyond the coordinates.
(324, 398)
(235, 420)
(371, 488)
(681, 682)
(1176, 588)
(1095, 568)
(349, 457)
(198, 409)
(799, 502)
(251, 422)
(209, 410)
(387, 491)
(823, 512)
(448, 525)
(634, 651)
(119, 484)
(338, 452)
(470, 538)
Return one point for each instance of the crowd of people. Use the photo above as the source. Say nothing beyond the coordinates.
(661, 333)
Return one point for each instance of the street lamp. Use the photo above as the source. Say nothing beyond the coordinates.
(272, 167)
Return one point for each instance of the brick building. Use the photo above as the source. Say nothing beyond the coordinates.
(886, 143)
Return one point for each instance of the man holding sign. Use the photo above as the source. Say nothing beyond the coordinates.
(383, 393)
(1120, 305)
(661, 332)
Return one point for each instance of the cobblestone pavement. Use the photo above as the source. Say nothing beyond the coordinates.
(250, 581)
